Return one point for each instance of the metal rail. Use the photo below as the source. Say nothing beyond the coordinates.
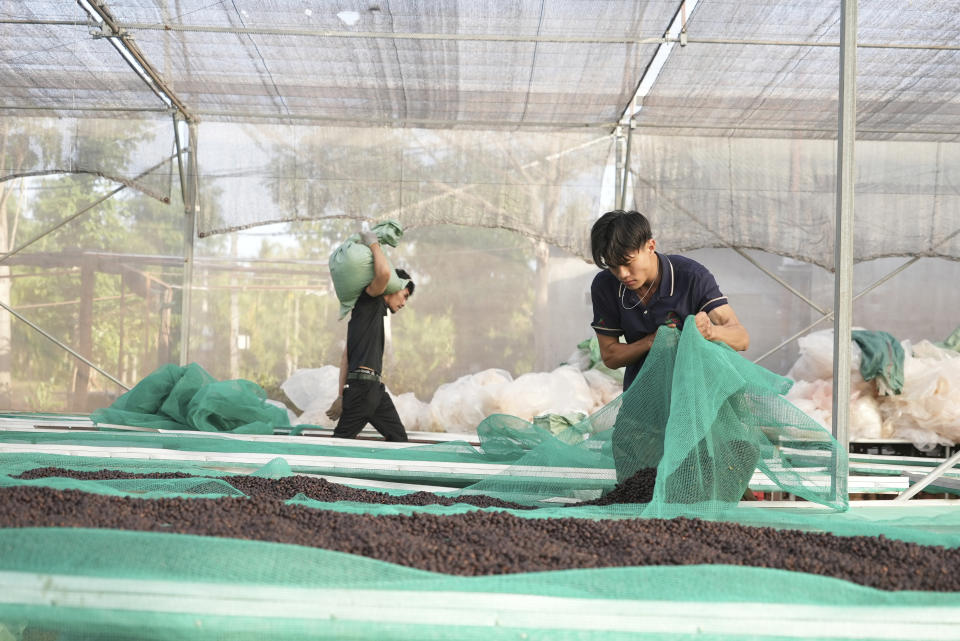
(61, 344)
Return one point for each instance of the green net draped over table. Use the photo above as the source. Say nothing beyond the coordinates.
(705, 418)
(700, 416)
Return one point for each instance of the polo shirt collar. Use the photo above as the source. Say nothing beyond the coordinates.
(667, 277)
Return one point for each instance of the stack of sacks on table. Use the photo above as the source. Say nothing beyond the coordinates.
(572, 389)
(926, 412)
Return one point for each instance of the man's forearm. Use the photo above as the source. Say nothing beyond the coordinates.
(343, 372)
(724, 327)
(617, 355)
(733, 335)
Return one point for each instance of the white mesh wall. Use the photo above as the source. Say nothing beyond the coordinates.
(544, 185)
(780, 195)
(134, 152)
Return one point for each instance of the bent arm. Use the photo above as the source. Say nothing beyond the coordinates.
(343, 372)
(616, 354)
(721, 324)
(381, 271)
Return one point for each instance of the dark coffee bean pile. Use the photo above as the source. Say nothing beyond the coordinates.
(96, 475)
(286, 488)
(481, 543)
(636, 489)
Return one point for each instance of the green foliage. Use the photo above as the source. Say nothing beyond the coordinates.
(423, 352)
(474, 297)
(473, 309)
(127, 293)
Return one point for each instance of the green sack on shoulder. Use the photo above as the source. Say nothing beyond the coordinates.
(351, 265)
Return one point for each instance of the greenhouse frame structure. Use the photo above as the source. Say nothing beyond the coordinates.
(633, 76)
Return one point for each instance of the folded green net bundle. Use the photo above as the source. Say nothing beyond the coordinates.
(188, 398)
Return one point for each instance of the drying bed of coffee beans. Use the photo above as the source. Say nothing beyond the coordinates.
(285, 488)
(485, 542)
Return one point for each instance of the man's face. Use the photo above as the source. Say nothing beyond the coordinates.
(638, 268)
(397, 300)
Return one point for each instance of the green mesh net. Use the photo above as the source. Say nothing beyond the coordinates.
(106, 584)
(700, 421)
(702, 417)
(699, 418)
(188, 398)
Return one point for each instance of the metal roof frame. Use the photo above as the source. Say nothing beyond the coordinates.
(118, 33)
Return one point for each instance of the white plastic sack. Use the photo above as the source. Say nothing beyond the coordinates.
(414, 413)
(458, 406)
(562, 391)
(865, 419)
(304, 385)
(313, 390)
(816, 357)
(815, 399)
(603, 388)
(580, 358)
(927, 411)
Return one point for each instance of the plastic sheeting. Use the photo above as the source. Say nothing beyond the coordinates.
(397, 62)
(540, 185)
(926, 412)
(574, 389)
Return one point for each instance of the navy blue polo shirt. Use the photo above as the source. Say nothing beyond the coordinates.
(686, 287)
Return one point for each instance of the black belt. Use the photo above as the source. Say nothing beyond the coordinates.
(357, 375)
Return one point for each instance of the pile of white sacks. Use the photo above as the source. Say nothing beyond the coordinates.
(926, 412)
(572, 389)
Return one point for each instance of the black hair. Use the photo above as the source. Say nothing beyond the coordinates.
(616, 234)
(402, 273)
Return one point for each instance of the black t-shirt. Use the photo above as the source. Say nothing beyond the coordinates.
(365, 333)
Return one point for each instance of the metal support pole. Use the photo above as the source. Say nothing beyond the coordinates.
(63, 222)
(179, 146)
(626, 167)
(843, 248)
(618, 153)
(189, 235)
(929, 478)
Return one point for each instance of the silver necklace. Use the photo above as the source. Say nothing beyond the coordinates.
(623, 290)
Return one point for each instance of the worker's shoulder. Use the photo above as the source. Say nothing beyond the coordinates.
(367, 304)
(604, 281)
(686, 265)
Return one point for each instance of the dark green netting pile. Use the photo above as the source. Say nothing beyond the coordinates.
(188, 398)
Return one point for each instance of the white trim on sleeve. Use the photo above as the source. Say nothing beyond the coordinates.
(712, 301)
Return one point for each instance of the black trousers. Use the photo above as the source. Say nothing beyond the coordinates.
(368, 402)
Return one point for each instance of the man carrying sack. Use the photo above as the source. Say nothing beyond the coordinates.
(363, 397)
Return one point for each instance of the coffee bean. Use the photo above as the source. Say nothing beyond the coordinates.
(484, 542)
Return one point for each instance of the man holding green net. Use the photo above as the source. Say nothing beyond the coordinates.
(638, 292)
(641, 290)
(363, 397)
